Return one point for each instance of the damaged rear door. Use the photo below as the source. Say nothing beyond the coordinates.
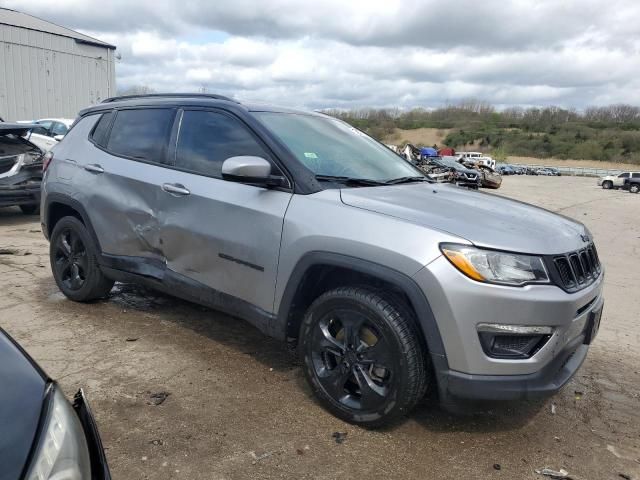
(120, 178)
(220, 234)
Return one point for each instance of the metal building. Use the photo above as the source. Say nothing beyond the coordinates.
(50, 71)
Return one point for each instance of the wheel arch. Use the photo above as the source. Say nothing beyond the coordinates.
(317, 271)
(58, 206)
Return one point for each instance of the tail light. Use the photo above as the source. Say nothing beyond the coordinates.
(46, 160)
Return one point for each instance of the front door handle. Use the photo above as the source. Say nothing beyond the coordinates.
(175, 189)
(94, 168)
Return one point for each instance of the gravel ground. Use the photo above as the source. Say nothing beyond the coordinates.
(237, 407)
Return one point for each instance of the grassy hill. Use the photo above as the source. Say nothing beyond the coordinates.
(608, 134)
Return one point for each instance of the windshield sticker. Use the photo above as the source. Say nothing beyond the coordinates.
(310, 155)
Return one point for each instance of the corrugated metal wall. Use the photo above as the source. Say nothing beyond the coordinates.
(44, 75)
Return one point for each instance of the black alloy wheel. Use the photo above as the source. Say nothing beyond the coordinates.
(73, 262)
(71, 259)
(352, 360)
(362, 355)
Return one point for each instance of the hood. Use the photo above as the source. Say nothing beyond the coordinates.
(483, 219)
(21, 400)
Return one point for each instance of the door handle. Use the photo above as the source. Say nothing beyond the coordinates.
(175, 189)
(94, 168)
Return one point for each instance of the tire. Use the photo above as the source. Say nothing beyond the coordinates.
(635, 188)
(607, 184)
(362, 356)
(72, 254)
(30, 209)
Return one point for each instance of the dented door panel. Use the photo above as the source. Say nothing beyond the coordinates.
(225, 235)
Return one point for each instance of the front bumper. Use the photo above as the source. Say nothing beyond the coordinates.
(459, 304)
(22, 188)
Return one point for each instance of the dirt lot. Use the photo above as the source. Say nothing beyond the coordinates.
(238, 408)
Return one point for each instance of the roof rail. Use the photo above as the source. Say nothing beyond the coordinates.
(170, 95)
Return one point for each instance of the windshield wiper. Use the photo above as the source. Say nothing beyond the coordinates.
(397, 181)
(363, 182)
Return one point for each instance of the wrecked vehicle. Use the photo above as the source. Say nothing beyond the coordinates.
(43, 436)
(464, 176)
(20, 168)
(385, 282)
(489, 178)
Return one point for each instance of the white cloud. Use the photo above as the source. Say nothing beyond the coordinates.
(335, 53)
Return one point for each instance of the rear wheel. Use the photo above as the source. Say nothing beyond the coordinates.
(635, 188)
(30, 209)
(73, 262)
(362, 356)
(607, 185)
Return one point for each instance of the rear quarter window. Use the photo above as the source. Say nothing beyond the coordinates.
(101, 130)
(141, 134)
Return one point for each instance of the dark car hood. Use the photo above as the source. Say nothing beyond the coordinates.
(22, 390)
(484, 219)
(7, 128)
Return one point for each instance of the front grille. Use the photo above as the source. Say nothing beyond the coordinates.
(576, 270)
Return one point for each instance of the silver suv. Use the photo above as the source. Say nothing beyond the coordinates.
(386, 283)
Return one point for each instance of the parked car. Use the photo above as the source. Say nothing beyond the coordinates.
(545, 172)
(465, 177)
(554, 171)
(48, 132)
(506, 170)
(615, 181)
(20, 169)
(531, 171)
(633, 183)
(386, 283)
(43, 436)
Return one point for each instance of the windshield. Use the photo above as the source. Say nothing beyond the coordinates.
(331, 148)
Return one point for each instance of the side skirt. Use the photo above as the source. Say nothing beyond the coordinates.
(154, 274)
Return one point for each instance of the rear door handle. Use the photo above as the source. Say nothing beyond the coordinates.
(94, 168)
(175, 189)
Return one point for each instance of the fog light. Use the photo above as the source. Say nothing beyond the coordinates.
(512, 341)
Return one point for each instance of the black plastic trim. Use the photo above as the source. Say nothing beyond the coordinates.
(417, 298)
(66, 200)
(545, 382)
(153, 273)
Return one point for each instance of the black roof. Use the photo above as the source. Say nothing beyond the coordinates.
(188, 99)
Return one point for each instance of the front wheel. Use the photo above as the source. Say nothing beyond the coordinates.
(362, 356)
(607, 185)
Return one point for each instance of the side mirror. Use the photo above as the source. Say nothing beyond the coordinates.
(250, 169)
(58, 137)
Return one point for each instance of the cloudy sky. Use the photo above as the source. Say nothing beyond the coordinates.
(377, 53)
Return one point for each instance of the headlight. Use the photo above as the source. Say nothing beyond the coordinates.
(62, 452)
(496, 267)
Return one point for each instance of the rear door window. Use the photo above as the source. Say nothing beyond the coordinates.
(141, 134)
(206, 139)
(635, 175)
